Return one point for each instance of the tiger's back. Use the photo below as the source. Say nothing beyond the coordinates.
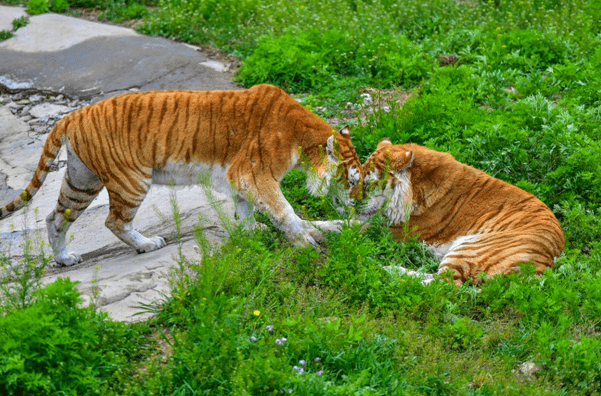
(159, 130)
(247, 139)
(471, 221)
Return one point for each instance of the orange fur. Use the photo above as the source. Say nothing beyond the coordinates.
(249, 139)
(473, 222)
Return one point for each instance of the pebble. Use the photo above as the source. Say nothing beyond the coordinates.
(25, 110)
(529, 368)
(40, 129)
(39, 111)
(35, 98)
(367, 99)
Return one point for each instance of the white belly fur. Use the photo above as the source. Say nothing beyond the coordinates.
(441, 250)
(179, 174)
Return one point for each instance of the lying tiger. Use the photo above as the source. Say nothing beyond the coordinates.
(248, 139)
(471, 221)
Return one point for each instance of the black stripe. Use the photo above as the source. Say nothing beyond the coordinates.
(87, 191)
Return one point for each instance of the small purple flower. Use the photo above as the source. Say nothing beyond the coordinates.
(320, 372)
(253, 338)
(302, 362)
(280, 341)
(299, 370)
(289, 390)
(284, 339)
(270, 328)
(317, 359)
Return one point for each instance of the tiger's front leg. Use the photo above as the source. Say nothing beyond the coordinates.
(267, 196)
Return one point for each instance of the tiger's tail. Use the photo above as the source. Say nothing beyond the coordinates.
(51, 149)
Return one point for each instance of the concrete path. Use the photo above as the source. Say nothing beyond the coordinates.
(55, 65)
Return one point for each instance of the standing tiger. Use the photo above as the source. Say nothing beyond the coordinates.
(247, 139)
(471, 221)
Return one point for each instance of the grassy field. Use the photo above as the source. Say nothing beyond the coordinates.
(510, 87)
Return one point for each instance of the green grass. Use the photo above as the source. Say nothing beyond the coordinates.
(5, 35)
(522, 101)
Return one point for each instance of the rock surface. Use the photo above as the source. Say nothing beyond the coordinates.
(55, 65)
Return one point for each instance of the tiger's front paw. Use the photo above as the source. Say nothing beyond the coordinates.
(308, 235)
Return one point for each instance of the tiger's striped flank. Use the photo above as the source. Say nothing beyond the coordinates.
(471, 221)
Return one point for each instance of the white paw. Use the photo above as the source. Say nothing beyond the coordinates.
(308, 236)
(151, 244)
(67, 259)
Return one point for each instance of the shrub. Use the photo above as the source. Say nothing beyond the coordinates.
(55, 346)
(35, 7)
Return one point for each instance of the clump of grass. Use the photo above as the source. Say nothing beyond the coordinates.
(5, 35)
(20, 22)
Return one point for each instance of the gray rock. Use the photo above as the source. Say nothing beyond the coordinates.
(529, 368)
(367, 99)
(25, 110)
(48, 110)
(36, 98)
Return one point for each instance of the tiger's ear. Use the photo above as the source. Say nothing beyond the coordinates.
(333, 150)
(401, 161)
(345, 130)
(384, 142)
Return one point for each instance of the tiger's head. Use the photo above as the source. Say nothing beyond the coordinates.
(388, 182)
(340, 165)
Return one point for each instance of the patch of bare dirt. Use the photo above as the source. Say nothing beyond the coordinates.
(373, 99)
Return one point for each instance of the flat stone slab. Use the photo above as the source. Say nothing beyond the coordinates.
(48, 109)
(66, 32)
(8, 14)
(88, 60)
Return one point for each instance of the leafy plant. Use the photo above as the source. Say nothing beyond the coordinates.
(19, 23)
(59, 6)
(35, 7)
(5, 34)
(54, 346)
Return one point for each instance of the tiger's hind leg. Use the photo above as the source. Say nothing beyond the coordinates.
(123, 208)
(80, 187)
(494, 253)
